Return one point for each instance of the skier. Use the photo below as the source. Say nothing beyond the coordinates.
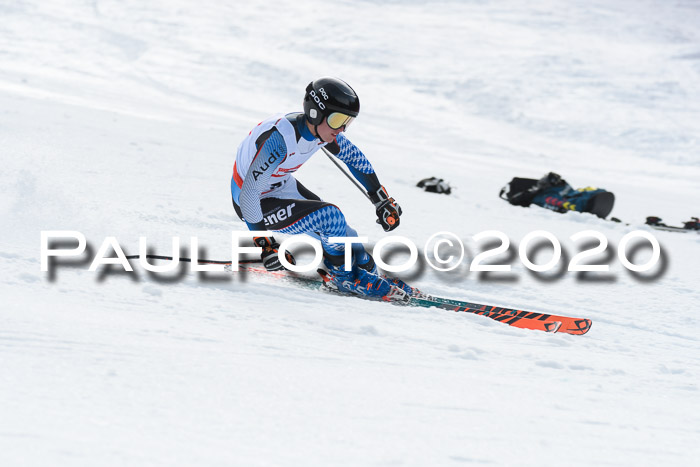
(268, 197)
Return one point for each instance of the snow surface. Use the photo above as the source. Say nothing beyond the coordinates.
(121, 118)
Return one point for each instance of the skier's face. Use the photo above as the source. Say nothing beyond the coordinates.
(328, 134)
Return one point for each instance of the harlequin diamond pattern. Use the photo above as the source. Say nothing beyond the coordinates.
(327, 221)
(351, 155)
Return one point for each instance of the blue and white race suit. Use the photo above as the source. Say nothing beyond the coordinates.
(268, 197)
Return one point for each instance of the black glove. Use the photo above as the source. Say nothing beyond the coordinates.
(269, 256)
(388, 210)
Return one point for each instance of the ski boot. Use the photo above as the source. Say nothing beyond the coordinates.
(371, 268)
(359, 281)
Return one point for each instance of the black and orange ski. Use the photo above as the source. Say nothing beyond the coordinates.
(569, 325)
(421, 300)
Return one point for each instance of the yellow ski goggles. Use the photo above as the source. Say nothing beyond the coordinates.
(337, 120)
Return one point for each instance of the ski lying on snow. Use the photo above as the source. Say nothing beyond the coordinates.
(515, 318)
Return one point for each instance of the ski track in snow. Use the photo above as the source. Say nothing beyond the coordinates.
(122, 119)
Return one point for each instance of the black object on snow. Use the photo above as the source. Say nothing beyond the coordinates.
(655, 221)
(435, 185)
(692, 224)
(521, 191)
(554, 193)
(601, 204)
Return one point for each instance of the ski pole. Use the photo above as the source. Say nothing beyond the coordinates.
(204, 261)
(359, 187)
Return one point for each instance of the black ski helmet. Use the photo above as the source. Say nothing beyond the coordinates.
(327, 95)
